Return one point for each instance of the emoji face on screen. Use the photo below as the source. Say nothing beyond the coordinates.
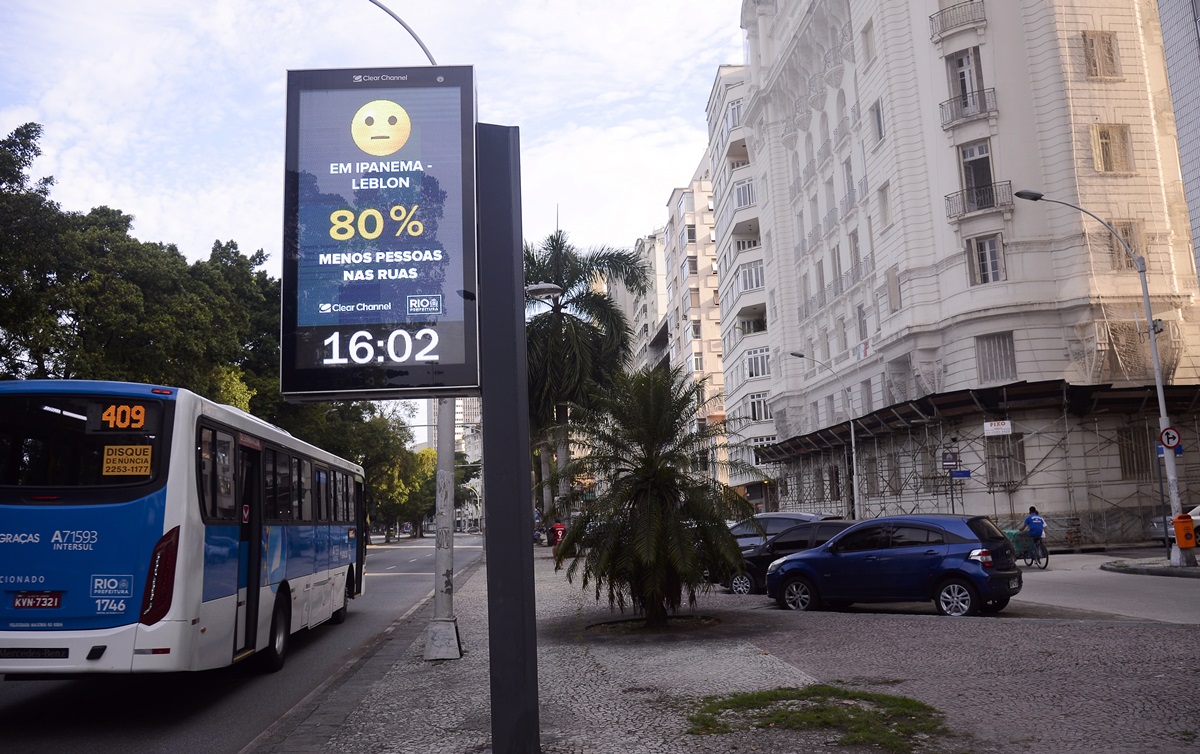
(380, 127)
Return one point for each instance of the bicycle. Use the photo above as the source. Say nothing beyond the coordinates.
(1035, 553)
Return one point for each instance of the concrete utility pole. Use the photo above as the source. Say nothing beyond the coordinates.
(441, 640)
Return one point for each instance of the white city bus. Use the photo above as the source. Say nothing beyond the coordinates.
(146, 529)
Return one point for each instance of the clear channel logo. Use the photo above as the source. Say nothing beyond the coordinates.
(359, 307)
(428, 304)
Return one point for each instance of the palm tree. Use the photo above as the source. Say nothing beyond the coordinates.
(659, 518)
(579, 341)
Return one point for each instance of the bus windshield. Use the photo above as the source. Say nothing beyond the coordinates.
(59, 440)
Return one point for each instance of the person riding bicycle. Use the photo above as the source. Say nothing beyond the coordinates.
(1035, 523)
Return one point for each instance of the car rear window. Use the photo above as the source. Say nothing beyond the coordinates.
(985, 529)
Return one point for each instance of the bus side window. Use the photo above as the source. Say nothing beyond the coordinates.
(269, 480)
(283, 487)
(321, 487)
(216, 474)
(207, 473)
(298, 491)
(337, 496)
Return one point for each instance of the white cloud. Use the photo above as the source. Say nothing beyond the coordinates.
(173, 112)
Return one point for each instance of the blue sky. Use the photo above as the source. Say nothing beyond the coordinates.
(174, 112)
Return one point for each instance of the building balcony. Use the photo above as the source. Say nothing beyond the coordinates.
(794, 189)
(825, 152)
(980, 199)
(810, 172)
(849, 202)
(831, 221)
(789, 132)
(968, 107)
(842, 132)
(816, 92)
(803, 119)
(834, 66)
(956, 17)
(814, 237)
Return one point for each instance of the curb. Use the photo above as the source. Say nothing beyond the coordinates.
(1120, 566)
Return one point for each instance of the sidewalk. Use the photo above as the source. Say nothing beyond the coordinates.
(605, 691)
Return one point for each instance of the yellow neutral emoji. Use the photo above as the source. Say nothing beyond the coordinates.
(380, 127)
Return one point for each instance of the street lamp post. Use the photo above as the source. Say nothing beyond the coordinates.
(855, 508)
(1178, 558)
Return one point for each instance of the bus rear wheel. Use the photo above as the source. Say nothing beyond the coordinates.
(277, 643)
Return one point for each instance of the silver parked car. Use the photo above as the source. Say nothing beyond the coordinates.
(1160, 525)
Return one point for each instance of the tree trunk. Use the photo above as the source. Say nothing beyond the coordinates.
(564, 451)
(547, 491)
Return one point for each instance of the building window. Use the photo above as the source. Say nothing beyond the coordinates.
(758, 363)
(745, 244)
(976, 163)
(842, 343)
(885, 205)
(1131, 231)
(695, 329)
(966, 78)
(893, 289)
(1112, 148)
(1100, 54)
(751, 275)
(986, 259)
(877, 120)
(694, 298)
(861, 317)
(864, 392)
(743, 193)
(868, 42)
(698, 362)
(855, 254)
(693, 265)
(996, 358)
(757, 407)
(1005, 459)
(1134, 446)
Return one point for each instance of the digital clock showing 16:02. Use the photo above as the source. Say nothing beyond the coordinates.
(399, 347)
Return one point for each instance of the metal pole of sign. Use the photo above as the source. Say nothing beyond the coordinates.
(442, 640)
(508, 548)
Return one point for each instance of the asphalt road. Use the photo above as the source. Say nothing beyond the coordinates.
(222, 710)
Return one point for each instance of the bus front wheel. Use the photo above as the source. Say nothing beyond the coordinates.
(277, 644)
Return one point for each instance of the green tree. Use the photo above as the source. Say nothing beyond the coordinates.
(576, 340)
(659, 517)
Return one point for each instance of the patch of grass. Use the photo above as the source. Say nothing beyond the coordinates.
(890, 723)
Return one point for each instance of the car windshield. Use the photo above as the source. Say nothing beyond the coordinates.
(985, 529)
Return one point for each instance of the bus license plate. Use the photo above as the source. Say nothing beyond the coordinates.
(37, 600)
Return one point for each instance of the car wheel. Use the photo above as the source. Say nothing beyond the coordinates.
(994, 606)
(799, 594)
(742, 583)
(957, 598)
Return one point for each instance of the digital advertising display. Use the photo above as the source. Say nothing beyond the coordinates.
(379, 267)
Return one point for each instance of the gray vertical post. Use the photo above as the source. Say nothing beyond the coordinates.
(441, 640)
(512, 618)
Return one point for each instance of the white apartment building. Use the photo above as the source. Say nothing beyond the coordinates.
(962, 350)
(743, 284)
(693, 319)
(646, 312)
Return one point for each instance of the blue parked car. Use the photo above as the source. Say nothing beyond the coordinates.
(964, 564)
